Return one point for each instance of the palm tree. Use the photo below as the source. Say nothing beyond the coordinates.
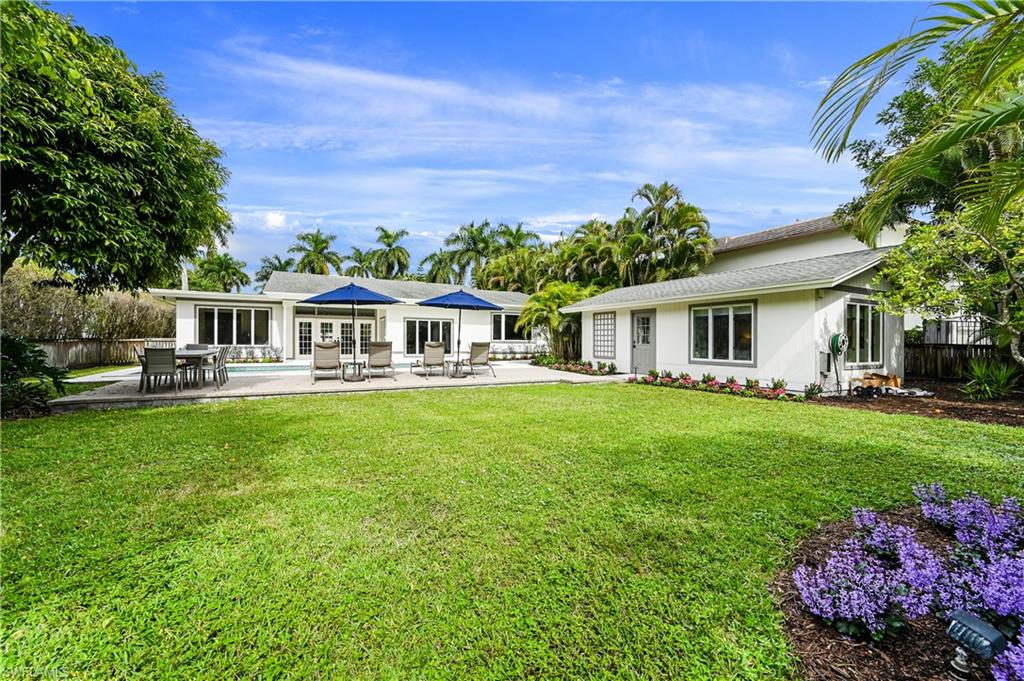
(512, 238)
(315, 253)
(471, 245)
(543, 309)
(271, 264)
(221, 272)
(364, 263)
(440, 267)
(991, 109)
(392, 258)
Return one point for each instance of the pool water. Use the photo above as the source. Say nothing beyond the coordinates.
(281, 368)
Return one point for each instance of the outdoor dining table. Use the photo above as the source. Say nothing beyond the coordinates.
(196, 358)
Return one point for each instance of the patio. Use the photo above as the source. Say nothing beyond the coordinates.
(261, 380)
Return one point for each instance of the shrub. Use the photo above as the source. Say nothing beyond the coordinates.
(883, 576)
(1009, 665)
(708, 378)
(989, 380)
(751, 384)
(27, 381)
(812, 390)
(778, 384)
(612, 369)
(544, 360)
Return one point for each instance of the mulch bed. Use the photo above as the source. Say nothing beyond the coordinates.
(920, 652)
(948, 403)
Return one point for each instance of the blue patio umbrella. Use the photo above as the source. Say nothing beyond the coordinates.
(352, 294)
(459, 300)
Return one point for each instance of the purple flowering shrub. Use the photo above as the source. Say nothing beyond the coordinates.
(883, 576)
(708, 383)
(874, 582)
(1009, 665)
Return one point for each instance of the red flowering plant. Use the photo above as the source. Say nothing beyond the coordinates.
(709, 383)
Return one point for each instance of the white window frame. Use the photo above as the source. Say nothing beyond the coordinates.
(234, 324)
(405, 332)
(731, 305)
(594, 326)
(860, 303)
(528, 333)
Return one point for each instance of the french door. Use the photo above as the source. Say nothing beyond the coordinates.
(315, 330)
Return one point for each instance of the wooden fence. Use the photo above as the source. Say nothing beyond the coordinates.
(945, 360)
(76, 354)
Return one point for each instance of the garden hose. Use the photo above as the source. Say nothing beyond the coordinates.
(837, 345)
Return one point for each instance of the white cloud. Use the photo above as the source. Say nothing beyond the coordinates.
(819, 84)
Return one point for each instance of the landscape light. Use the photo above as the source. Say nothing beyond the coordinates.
(975, 636)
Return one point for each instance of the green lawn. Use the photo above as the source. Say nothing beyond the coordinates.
(545, 531)
(92, 371)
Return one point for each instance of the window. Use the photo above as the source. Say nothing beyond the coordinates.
(864, 329)
(365, 333)
(722, 333)
(232, 326)
(604, 335)
(305, 338)
(420, 331)
(503, 328)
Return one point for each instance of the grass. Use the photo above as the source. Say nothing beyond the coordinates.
(544, 531)
(92, 371)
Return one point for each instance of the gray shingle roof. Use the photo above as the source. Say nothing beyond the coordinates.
(312, 284)
(793, 231)
(818, 272)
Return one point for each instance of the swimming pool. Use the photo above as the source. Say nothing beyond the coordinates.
(281, 368)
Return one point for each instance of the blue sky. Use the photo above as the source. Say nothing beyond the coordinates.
(426, 116)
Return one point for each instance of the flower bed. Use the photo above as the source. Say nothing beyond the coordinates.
(877, 579)
(709, 383)
(601, 369)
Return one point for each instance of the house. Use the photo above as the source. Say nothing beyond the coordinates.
(277, 318)
(767, 307)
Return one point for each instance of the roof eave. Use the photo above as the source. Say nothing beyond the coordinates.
(800, 286)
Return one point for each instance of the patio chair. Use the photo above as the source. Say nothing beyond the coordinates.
(480, 356)
(142, 362)
(379, 358)
(433, 358)
(218, 368)
(161, 363)
(326, 357)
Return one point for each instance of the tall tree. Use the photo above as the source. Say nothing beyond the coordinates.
(440, 267)
(932, 92)
(364, 263)
(392, 258)
(509, 238)
(271, 264)
(471, 244)
(991, 106)
(315, 253)
(219, 272)
(102, 178)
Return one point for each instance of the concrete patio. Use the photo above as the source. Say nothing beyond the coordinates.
(122, 391)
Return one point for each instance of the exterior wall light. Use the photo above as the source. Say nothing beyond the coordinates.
(973, 636)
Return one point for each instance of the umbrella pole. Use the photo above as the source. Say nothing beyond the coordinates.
(458, 346)
(353, 337)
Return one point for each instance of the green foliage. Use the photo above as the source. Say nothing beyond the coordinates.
(391, 260)
(813, 390)
(988, 270)
(989, 380)
(543, 309)
(218, 272)
(588, 531)
(974, 98)
(32, 307)
(102, 178)
(315, 253)
(27, 381)
(271, 264)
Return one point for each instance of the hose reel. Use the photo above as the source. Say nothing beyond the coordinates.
(837, 345)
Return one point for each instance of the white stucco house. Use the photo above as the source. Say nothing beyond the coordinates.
(765, 308)
(278, 318)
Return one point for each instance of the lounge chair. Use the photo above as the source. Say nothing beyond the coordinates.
(433, 358)
(161, 363)
(379, 358)
(326, 357)
(480, 356)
